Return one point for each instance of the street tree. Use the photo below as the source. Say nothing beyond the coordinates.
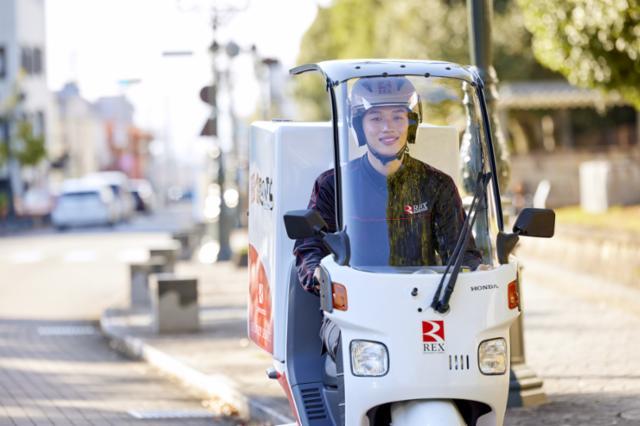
(593, 43)
(411, 29)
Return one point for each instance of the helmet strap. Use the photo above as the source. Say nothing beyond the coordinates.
(386, 159)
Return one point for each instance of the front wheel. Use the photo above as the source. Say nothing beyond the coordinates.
(426, 413)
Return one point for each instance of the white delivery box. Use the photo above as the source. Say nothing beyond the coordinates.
(285, 158)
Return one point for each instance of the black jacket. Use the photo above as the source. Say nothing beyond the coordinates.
(411, 217)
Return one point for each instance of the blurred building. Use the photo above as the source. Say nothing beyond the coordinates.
(128, 145)
(555, 128)
(24, 96)
(79, 131)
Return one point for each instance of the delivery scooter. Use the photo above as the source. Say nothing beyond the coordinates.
(421, 344)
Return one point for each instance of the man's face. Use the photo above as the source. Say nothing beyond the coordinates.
(386, 128)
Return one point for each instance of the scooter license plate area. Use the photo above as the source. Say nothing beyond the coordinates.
(430, 355)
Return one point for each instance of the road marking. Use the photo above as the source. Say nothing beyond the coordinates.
(170, 414)
(67, 330)
(133, 255)
(30, 256)
(80, 256)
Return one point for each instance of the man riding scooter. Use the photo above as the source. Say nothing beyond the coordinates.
(415, 342)
(408, 212)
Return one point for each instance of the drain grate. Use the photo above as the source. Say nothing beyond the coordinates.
(170, 414)
(67, 330)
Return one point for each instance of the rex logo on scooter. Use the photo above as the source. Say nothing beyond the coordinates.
(433, 336)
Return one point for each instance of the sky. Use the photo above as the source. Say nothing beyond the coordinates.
(101, 43)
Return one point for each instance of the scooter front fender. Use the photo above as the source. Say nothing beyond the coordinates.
(426, 412)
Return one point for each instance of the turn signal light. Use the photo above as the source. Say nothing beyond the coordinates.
(339, 293)
(513, 295)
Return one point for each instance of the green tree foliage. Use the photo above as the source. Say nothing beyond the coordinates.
(27, 148)
(410, 29)
(594, 43)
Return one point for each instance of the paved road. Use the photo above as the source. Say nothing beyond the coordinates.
(55, 367)
(65, 276)
(582, 338)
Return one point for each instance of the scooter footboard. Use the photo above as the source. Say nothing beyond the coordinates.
(426, 412)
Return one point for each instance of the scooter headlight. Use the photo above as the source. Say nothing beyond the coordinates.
(369, 359)
(492, 356)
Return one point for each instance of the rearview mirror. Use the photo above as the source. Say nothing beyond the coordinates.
(304, 224)
(535, 223)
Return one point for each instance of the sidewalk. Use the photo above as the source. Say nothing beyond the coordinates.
(584, 346)
(218, 363)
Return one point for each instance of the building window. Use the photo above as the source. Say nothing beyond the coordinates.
(4, 131)
(3, 63)
(40, 124)
(37, 61)
(26, 60)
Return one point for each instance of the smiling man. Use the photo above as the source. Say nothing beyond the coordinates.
(406, 212)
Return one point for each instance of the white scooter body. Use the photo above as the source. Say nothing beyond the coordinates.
(433, 375)
(381, 308)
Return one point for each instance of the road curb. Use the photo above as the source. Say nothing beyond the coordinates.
(219, 388)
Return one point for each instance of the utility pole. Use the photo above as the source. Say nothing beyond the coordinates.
(525, 387)
(223, 230)
(481, 51)
(211, 128)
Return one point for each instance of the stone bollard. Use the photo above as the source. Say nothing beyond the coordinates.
(595, 186)
(174, 303)
(184, 238)
(139, 276)
(168, 253)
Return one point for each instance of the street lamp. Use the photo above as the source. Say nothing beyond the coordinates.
(227, 197)
(525, 388)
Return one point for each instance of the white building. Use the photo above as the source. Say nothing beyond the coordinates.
(23, 90)
(81, 134)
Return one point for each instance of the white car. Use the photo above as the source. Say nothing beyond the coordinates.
(83, 203)
(120, 187)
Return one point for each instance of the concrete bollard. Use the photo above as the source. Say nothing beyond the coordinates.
(595, 186)
(139, 279)
(184, 238)
(169, 253)
(174, 303)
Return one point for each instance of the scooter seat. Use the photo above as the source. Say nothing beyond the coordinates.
(329, 373)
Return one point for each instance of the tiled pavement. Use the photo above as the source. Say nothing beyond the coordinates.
(582, 337)
(61, 373)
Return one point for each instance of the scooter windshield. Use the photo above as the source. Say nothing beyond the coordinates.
(411, 149)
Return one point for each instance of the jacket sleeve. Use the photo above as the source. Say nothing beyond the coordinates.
(310, 251)
(448, 219)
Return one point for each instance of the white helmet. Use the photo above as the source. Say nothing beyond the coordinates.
(370, 92)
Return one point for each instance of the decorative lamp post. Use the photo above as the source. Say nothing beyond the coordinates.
(525, 387)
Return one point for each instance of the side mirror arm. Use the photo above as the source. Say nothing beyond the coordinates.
(338, 244)
(505, 243)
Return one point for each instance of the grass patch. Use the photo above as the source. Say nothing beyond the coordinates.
(618, 218)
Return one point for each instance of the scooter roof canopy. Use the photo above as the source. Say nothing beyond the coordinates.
(338, 71)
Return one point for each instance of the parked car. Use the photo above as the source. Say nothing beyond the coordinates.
(119, 184)
(37, 204)
(84, 202)
(143, 195)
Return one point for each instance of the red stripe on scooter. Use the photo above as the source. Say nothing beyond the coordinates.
(260, 320)
(282, 379)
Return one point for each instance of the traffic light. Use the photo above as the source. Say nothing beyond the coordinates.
(208, 95)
